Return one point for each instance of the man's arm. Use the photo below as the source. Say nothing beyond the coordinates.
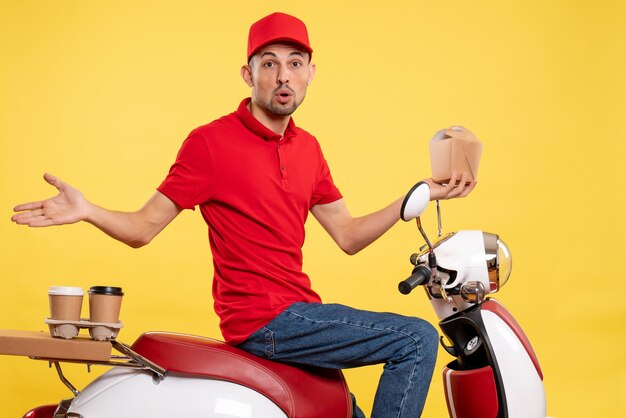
(354, 234)
(70, 206)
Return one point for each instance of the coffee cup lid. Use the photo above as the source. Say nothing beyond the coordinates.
(65, 291)
(106, 290)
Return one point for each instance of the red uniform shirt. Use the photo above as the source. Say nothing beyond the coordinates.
(255, 189)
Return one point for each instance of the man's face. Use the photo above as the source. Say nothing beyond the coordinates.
(279, 75)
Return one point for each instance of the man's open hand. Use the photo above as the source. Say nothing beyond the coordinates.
(68, 207)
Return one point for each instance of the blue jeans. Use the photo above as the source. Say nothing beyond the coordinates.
(340, 337)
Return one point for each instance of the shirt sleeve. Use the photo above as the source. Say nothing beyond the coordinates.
(325, 190)
(188, 182)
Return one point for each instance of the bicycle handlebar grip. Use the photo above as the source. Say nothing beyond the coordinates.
(421, 275)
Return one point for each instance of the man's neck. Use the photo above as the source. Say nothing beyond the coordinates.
(277, 124)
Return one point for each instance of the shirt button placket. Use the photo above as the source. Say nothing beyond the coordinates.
(281, 163)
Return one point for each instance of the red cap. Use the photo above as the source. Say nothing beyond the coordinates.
(277, 27)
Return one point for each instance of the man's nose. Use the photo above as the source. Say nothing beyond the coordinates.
(283, 75)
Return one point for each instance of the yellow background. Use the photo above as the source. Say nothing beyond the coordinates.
(101, 93)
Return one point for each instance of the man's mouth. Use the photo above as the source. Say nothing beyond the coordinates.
(283, 94)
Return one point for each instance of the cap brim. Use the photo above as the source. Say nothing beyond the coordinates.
(279, 41)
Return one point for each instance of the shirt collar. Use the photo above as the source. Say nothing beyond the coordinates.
(257, 128)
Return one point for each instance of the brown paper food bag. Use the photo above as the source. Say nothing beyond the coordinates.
(455, 148)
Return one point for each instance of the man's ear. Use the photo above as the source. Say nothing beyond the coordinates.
(311, 74)
(246, 74)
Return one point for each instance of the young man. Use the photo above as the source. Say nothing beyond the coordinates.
(255, 176)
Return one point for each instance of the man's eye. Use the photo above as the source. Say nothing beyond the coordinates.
(268, 64)
(296, 64)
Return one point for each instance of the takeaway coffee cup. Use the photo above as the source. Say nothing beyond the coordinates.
(105, 303)
(65, 305)
(65, 302)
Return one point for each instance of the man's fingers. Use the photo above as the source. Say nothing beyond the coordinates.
(37, 222)
(41, 222)
(454, 177)
(33, 219)
(26, 217)
(459, 185)
(469, 188)
(28, 206)
(464, 188)
(460, 188)
(52, 180)
(454, 186)
(18, 219)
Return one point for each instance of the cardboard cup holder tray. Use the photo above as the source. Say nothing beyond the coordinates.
(99, 331)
